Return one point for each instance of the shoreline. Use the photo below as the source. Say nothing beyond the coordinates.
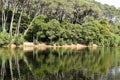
(31, 46)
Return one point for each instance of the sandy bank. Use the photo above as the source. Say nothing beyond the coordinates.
(30, 46)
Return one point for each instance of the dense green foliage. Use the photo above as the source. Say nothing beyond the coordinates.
(4, 38)
(60, 22)
(18, 39)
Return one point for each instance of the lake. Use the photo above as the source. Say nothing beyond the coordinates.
(60, 64)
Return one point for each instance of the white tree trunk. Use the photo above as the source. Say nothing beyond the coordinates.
(10, 64)
(11, 24)
(19, 21)
(3, 16)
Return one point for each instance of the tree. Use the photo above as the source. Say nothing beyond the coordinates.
(4, 14)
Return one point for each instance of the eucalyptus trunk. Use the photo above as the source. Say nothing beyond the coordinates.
(3, 20)
(19, 22)
(11, 71)
(3, 71)
(11, 24)
(18, 66)
(26, 31)
(3, 15)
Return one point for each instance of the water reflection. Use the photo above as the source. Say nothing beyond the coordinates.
(60, 64)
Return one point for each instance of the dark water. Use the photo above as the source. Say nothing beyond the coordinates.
(60, 64)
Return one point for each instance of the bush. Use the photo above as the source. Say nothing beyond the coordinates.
(69, 42)
(115, 40)
(4, 38)
(35, 41)
(61, 42)
(18, 39)
(51, 43)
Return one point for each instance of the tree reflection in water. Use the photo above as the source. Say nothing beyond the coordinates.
(60, 64)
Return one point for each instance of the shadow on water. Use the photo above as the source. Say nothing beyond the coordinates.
(60, 64)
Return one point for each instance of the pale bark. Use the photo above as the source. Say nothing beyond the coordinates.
(26, 61)
(11, 24)
(18, 66)
(26, 31)
(10, 64)
(3, 16)
(38, 10)
(19, 22)
(3, 70)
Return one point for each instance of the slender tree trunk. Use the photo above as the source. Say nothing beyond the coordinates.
(43, 10)
(4, 23)
(18, 67)
(26, 61)
(3, 70)
(10, 64)
(19, 21)
(3, 19)
(26, 31)
(11, 24)
(38, 11)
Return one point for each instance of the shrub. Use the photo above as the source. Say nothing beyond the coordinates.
(18, 39)
(61, 42)
(35, 41)
(51, 43)
(69, 42)
(4, 38)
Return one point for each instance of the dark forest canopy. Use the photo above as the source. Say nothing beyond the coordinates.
(59, 22)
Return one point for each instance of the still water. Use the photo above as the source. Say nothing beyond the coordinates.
(60, 64)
